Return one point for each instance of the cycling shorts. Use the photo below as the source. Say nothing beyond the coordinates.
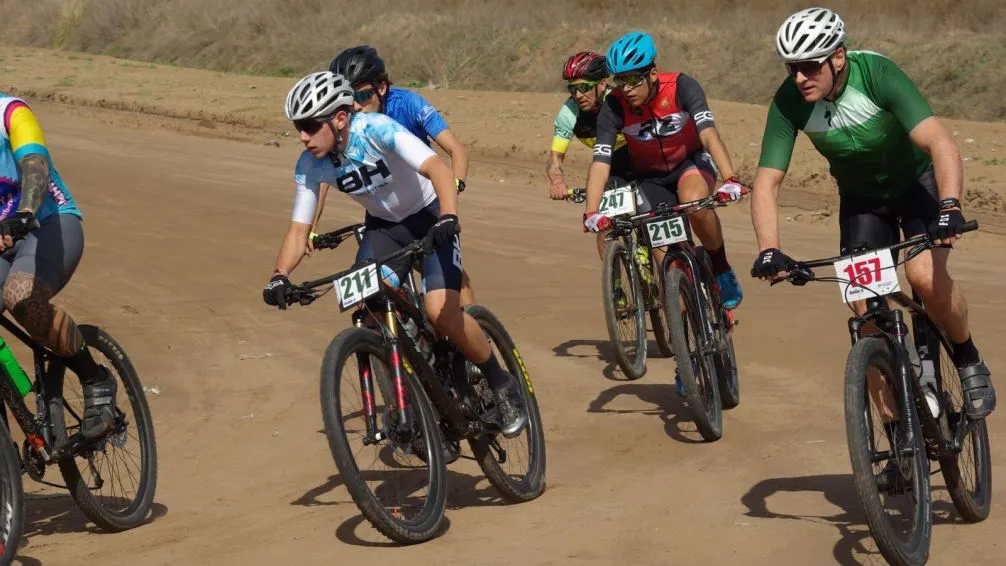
(664, 188)
(381, 238)
(871, 224)
(50, 253)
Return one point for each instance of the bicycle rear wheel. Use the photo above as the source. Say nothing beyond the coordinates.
(131, 438)
(695, 369)
(624, 311)
(906, 542)
(363, 348)
(526, 450)
(11, 498)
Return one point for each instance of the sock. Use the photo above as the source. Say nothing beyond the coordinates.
(719, 260)
(965, 353)
(83, 364)
(493, 372)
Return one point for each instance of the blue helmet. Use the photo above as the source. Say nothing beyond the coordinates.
(632, 51)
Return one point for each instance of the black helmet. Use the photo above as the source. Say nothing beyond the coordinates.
(359, 64)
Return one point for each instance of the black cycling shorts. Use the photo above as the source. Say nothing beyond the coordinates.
(664, 188)
(867, 224)
(441, 270)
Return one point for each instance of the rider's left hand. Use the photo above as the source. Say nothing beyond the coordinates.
(19, 225)
(731, 190)
(444, 230)
(947, 227)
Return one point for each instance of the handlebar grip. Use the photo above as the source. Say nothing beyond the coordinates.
(969, 226)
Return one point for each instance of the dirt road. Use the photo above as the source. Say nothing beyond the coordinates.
(182, 232)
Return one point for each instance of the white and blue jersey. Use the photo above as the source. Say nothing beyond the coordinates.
(379, 169)
(415, 113)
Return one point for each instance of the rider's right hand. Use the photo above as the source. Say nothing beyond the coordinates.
(771, 264)
(559, 191)
(275, 292)
(595, 222)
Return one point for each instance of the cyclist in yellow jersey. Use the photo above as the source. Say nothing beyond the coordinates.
(586, 74)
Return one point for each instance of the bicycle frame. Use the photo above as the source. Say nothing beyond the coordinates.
(891, 324)
(394, 304)
(36, 427)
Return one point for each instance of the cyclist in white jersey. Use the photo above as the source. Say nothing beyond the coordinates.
(408, 193)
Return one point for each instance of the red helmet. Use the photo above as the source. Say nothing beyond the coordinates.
(585, 65)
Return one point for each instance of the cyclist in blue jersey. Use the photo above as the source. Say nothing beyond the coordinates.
(407, 192)
(34, 268)
(365, 70)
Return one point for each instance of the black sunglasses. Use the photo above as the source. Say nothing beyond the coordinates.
(309, 125)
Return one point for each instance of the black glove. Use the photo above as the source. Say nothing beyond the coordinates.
(275, 292)
(770, 262)
(19, 225)
(443, 231)
(949, 223)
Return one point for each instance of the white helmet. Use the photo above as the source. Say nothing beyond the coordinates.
(813, 33)
(318, 95)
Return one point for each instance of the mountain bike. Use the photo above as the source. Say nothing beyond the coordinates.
(906, 368)
(701, 328)
(422, 376)
(629, 287)
(52, 433)
(11, 499)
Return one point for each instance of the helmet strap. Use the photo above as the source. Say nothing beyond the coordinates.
(834, 80)
(654, 89)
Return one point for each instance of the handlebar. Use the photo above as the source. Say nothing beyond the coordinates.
(306, 292)
(800, 273)
(331, 240)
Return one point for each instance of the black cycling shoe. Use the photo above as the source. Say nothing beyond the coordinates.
(895, 481)
(512, 416)
(979, 394)
(99, 406)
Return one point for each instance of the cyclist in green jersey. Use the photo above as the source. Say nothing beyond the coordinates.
(895, 165)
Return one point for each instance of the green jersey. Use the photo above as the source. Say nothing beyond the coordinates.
(863, 134)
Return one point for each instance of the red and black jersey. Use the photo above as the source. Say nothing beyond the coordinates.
(660, 134)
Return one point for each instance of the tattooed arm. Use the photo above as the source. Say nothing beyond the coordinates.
(34, 181)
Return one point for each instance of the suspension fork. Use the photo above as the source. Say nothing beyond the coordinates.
(891, 321)
(366, 382)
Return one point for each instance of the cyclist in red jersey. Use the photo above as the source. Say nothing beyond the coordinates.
(675, 148)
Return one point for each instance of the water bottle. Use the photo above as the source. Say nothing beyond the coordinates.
(409, 325)
(14, 370)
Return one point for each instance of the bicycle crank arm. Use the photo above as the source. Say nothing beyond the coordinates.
(963, 431)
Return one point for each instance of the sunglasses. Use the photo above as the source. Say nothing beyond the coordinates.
(807, 68)
(582, 88)
(631, 81)
(362, 96)
(308, 125)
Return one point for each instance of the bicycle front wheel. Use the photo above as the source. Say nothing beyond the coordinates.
(696, 369)
(11, 498)
(624, 308)
(409, 495)
(903, 536)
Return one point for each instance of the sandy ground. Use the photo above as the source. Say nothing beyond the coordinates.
(182, 231)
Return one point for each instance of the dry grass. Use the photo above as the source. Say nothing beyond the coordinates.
(955, 51)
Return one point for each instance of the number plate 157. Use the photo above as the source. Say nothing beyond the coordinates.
(868, 275)
(667, 231)
(355, 286)
(617, 202)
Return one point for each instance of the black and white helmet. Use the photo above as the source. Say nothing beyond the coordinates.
(318, 96)
(813, 33)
